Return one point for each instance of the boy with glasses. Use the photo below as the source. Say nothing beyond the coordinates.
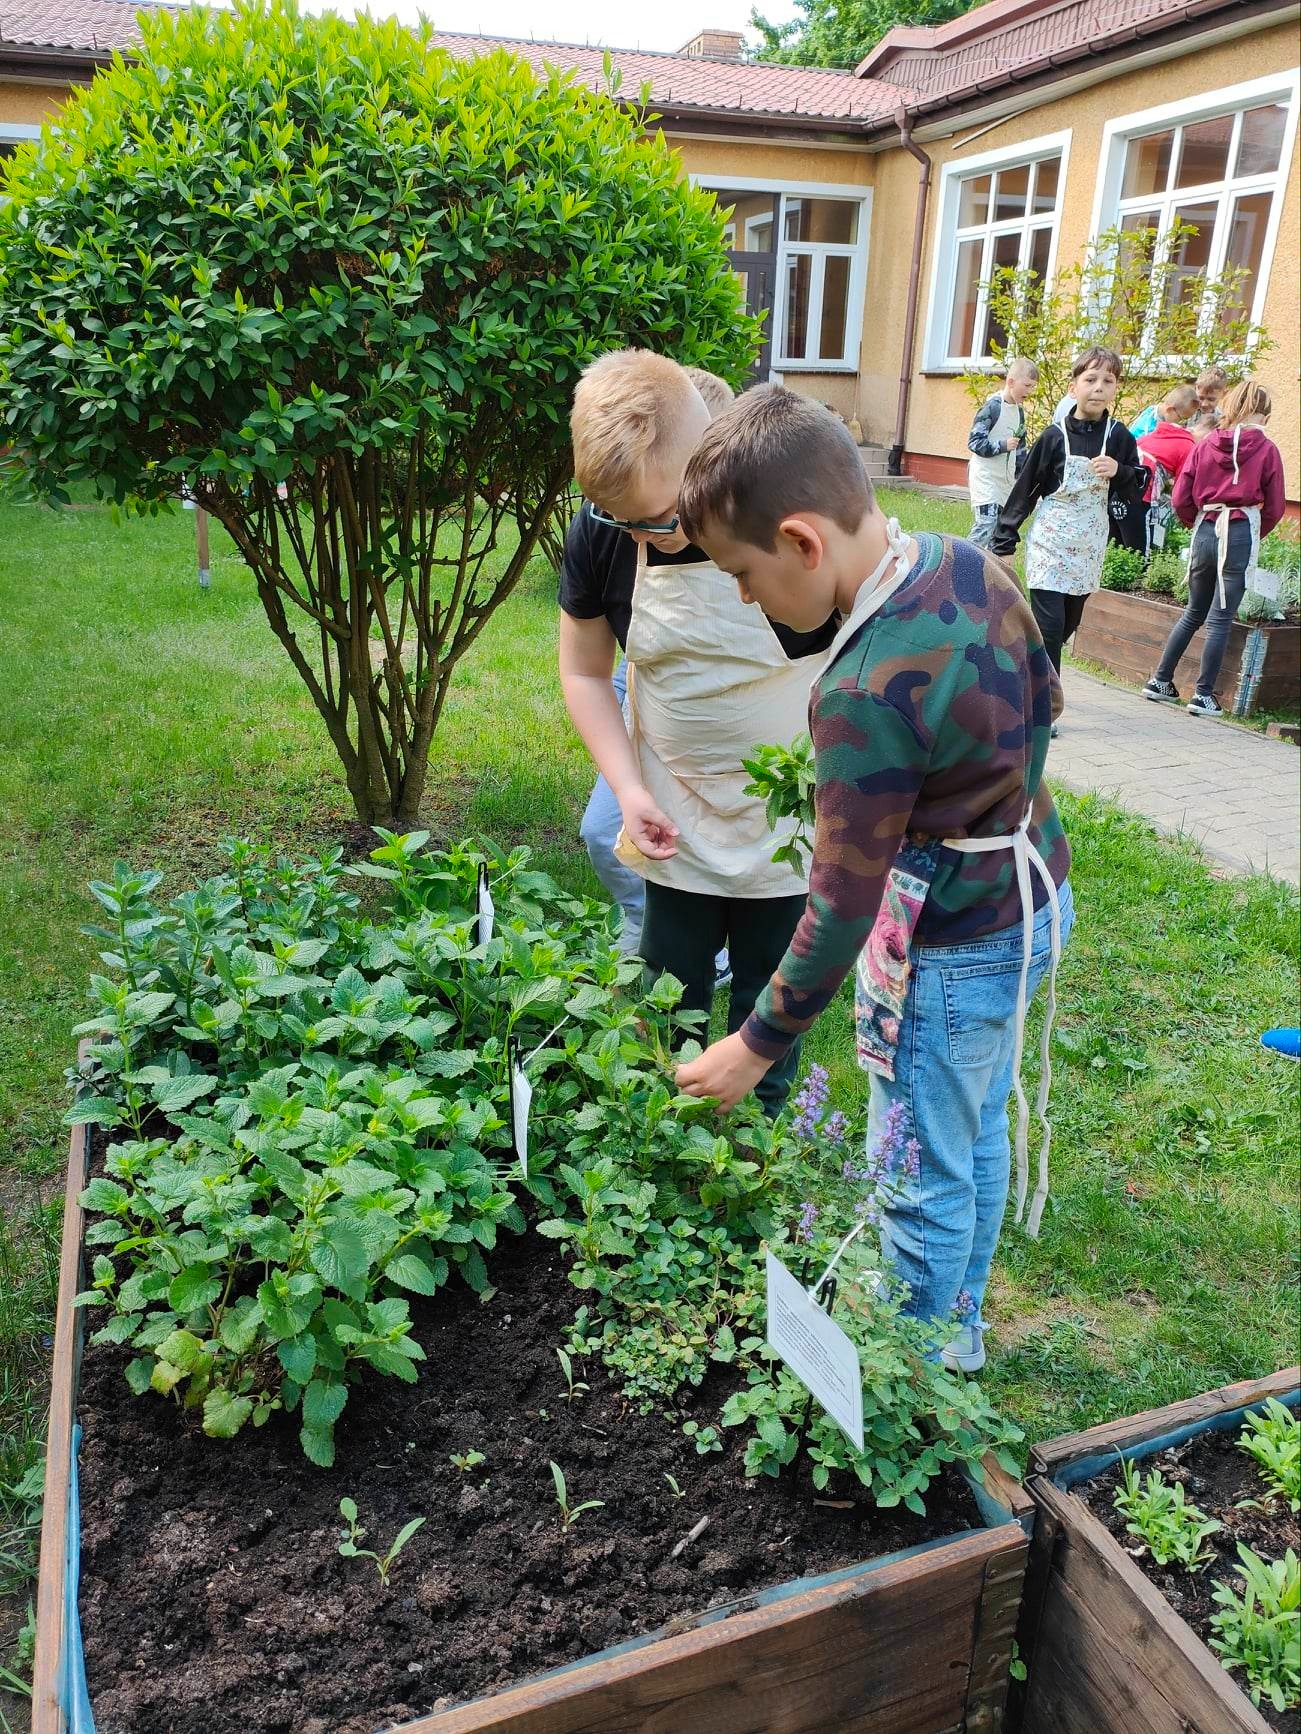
(708, 681)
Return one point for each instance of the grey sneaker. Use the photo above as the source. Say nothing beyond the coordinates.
(1161, 691)
(722, 971)
(966, 1353)
(1053, 732)
(1204, 704)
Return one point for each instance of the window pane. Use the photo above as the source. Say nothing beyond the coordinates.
(1045, 185)
(1261, 140)
(799, 275)
(973, 206)
(834, 221)
(1041, 242)
(966, 291)
(1012, 191)
(752, 218)
(1204, 155)
(835, 307)
(1147, 165)
(1189, 259)
(1246, 244)
(1006, 252)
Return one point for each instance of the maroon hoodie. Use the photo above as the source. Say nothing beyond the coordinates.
(1170, 445)
(1237, 466)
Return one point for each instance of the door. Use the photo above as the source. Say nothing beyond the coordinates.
(758, 274)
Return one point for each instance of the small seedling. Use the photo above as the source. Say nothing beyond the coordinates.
(570, 1513)
(354, 1533)
(467, 1460)
(677, 1492)
(1260, 1631)
(705, 1439)
(1274, 1440)
(1162, 1519)
(573, 1387)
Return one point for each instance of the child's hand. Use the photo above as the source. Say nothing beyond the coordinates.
(648, 829)
(727, 1072)
(1011, 444)
(1104, 467)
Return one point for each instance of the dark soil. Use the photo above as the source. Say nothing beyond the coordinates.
(1217, 1477)
(213, 1599)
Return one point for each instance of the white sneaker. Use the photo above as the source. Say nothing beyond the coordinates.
(966, 1353)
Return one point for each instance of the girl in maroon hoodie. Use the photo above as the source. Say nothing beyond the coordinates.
(1230, 491)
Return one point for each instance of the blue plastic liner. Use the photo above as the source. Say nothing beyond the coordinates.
(1085, 1468)
(73, 1696)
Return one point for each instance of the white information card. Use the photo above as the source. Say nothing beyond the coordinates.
(815, 1349)
(487, 908)
(521, 1098)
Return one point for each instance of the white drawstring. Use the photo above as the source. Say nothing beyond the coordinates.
(1237, 430)
(1026, 856)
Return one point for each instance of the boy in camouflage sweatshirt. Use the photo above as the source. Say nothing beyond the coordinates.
(930, 724)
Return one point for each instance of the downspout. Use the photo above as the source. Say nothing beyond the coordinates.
(895, 464)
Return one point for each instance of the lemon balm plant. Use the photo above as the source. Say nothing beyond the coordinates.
(340, 285)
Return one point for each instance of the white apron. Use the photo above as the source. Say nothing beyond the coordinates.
(1223, 516)
(1068, 538)
(707, 683)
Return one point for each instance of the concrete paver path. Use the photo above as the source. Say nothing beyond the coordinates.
(1236, 793)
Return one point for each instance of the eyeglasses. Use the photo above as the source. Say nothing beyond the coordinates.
(644, 525)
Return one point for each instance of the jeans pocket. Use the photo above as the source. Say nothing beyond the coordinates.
(979, 1005)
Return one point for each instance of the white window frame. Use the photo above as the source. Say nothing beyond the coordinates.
(11, 131)
(939, 308)
(1109, 207)
(855, 251)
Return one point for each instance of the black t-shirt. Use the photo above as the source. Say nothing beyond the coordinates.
(600, 570)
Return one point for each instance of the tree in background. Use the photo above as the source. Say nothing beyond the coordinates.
(341, 285)
(1131, 291)
(840, 32)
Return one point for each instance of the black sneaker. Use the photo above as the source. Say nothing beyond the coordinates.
(1161, 691)
(1204, 704)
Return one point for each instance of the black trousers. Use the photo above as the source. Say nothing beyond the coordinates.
(1057, 617)
(684, 930)
(1204, 602)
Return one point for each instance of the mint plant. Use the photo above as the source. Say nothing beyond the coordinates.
(1274, 1440)
(784, 779)
(1172, 1529)
(354, 1533)
(1259, 1631)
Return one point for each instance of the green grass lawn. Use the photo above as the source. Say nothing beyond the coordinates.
(143, 718)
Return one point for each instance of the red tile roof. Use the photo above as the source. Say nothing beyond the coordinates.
(715, 86)
(77, 26)
(1005, 40)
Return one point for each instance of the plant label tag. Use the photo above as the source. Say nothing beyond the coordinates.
(815, 1349)
(521, 1098)
(487, 908)
(1264, 583)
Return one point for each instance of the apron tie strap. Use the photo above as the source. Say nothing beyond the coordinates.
(1027, 859)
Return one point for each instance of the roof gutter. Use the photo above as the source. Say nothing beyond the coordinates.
(904, 122)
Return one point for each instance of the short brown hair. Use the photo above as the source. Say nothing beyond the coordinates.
(717, 393)
(632, 410)
(771, 455)
(1246, 401)
(1182, 399)
(1021, 367)
(1212, 375)
(1097, 356)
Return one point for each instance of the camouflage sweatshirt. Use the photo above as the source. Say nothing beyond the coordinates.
(932, 721)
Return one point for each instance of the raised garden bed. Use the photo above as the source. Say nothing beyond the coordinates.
(1104, 1646)
(1126, 634)
(212, 1597)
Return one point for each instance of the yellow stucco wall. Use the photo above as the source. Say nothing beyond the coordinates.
(940, 412)
(30, 104)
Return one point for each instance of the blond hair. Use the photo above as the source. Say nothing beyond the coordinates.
(1021, 368)
(1181, 400)
(717, 393)
(773, 454)
(1212, 375)
(634, 411)
(1248, 401)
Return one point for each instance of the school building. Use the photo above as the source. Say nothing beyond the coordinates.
(868, 207)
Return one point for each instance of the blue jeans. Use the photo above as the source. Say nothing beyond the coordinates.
(953, 1077)
(599, 830)
(984, 521)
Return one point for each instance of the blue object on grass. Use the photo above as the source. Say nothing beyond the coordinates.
(1283, 1041)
